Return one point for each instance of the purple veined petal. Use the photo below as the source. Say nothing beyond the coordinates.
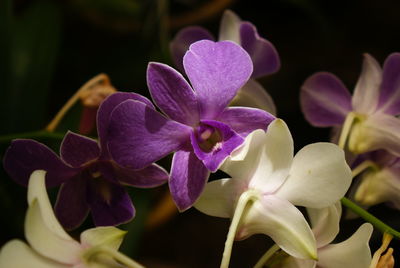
(213, 142)
(140, 136)
(244, 120)
(378, 131)
(283, 222)
(71, 207)
(183, 39)
(324, 99)
(229, 27)
(76, 150)
(351, 253)
(109, 203)
(107, 106)
(25, 156)
(188, 178)
(216, 70)
(172, 93)
(262, 52)
(253, 94)
(366, 93)
(389, 99)
(150, 176)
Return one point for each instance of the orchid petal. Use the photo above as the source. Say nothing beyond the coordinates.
(71, 207)
(77, 150)
(213, 158)
(292, 262)
(352, 253)
(276, 156)
(283, 222)
(389, 99)
(172, 94)
(17, 254)
(219, 197)
(325, 101)
(140, 135)
(229, 27)
(37, 191)
(188, 178)
(216, 71)
(150, 176)
(109, 203)
(244, 120)
(183, 39)
(252, 94)
(103, 236)
(25, 156)
(262, 52)
(378, 131)
(319, 176)
(366, 92)
(106, 108)
(45, 241)
(325, 223)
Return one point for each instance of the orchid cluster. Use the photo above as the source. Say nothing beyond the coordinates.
(213, 115)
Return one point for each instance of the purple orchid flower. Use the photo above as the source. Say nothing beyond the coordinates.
(369, 117)
(198, 126)
(263, 54)
(89, 178)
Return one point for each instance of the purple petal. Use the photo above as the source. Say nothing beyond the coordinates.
(107, 106)
(262, 52)
(139, 135)
(109, 203)
(172, 94)
(77, 150)
(183, 39)
(25, 156)
(244, 120)
(213, 142)
(216, 70)
(150, 176)
(325, 101)
(188, 178)
(71, 207)
(389, 99)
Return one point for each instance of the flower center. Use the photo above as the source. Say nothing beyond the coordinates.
(208, 138)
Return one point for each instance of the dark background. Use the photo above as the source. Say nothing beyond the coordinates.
(48, 49)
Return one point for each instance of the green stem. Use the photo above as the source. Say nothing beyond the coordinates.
(384, 228)
(240, 208)
(32, 135)
(263, 260)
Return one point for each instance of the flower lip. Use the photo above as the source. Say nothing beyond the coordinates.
(209, 138)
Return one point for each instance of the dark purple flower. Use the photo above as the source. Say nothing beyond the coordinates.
(89, 178)
(263, 54)
(197, 125)
(369, 117)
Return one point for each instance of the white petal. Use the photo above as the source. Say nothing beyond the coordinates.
(253, 94)
(283, 222)
(366, 92)
(229, 27)
(105, 236)
(37, 190)
(318, 178)
(275, 159)
(219, 197)
(17, 254)
(45, 241)
(325, 223)
(352, 253)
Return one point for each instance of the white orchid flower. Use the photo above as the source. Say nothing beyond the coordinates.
(351, 253)
(51, 247)
(268, 182)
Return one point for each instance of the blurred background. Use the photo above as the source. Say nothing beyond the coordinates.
(49, 49)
